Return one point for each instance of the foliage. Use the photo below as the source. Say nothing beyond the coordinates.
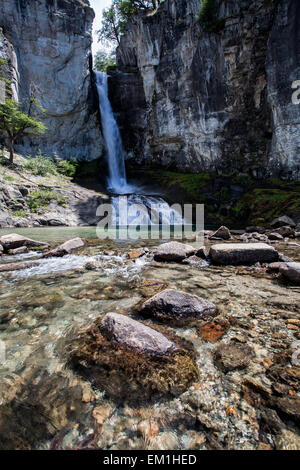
(41, 165)
(16, 123)
(104, 59)
(207, 11)
(116, 17)
(67, 167)
(19, 213)
(42, 197)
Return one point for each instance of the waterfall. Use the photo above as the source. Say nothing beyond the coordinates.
(117, 182)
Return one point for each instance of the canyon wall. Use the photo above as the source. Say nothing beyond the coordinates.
(48, 47)
(198, 97)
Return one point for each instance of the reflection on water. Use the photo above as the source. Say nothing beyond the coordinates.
(45, 404)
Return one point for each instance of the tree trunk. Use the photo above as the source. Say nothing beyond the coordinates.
(11, 151)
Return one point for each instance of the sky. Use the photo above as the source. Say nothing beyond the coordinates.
(98, 6)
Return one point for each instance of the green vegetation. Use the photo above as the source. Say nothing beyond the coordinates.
(19, 213)
(116, 17)
(15, 123)
(43, 165)
(67, 167)
(235, 198)
(42, 197)
(208, 11)
(103, 60)
(208, 17)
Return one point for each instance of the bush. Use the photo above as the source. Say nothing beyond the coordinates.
(41, 165)
(19, 213)
(67, 167)
(207, 11)
(42, 197)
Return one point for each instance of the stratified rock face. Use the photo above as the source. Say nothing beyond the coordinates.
(203, 99)
(48, 45)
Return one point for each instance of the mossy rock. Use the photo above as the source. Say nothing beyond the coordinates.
(127, 375)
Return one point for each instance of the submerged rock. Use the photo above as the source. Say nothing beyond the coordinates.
(291, 271)
(129, 360)
(177, 307)
(66, 248)
(122, 331)
(173, 251)
(233, 356)
(16, 266)
(240, 253)
(222, 232)
(15, 240)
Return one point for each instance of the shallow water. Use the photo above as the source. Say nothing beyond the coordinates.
(45, 404)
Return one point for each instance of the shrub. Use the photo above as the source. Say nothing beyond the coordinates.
(42, 197)
(19, 213)
(207, 11)
(41, 165)
(67, 167)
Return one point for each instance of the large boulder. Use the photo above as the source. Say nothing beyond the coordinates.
(173, 251)
(291, 271)
(222, 232)
(15, 240)
(66, 248)
(240, 253)
(178, 307)
(124, 332)
(281, 221)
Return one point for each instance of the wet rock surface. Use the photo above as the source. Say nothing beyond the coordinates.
(88, 394)
(66, 248)
(173, 251)
(233, 356)
(291, 271)
(124, 332)
(234, 254)
(178, 307)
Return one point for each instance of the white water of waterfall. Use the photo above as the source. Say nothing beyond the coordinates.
(117, 182)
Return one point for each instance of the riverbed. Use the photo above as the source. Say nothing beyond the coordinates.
(45, 404)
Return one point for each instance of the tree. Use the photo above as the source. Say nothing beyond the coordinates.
(116, 17)
(104, 59)
(16, 123)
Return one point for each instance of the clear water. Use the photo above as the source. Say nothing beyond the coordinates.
(45, 404)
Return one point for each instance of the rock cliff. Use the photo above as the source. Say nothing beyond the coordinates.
(48, 47)
(199, 97)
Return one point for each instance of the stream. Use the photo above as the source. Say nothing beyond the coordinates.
(45, 404)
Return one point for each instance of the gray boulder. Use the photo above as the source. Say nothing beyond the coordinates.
(14, 240)
(124, 332)
(255, 228)
(291, 271)
(222, 232)
(66, 248)
(281, 221)
(1, 249)
(242, 253)
(173, 251)
(178, 307)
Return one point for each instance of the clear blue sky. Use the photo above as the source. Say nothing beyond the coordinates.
(98, 6)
